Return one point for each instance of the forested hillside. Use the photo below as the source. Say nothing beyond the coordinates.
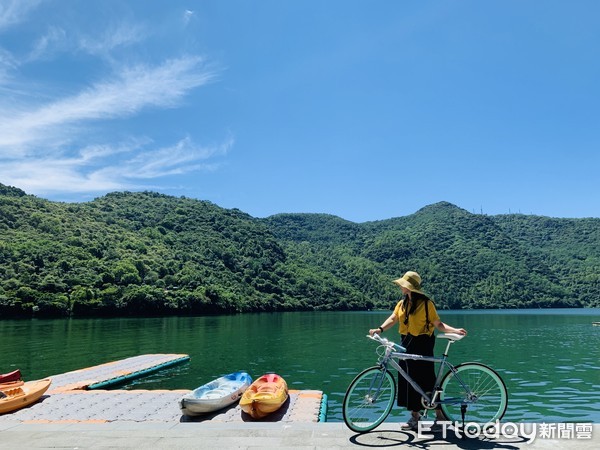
(466, 260)
(148, 253)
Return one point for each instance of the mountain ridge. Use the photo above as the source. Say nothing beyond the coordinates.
(152, 254)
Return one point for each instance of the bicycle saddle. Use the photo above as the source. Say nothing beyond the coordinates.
(451, 336)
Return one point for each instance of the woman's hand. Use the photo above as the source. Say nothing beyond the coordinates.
(373, 331)
(444, 328)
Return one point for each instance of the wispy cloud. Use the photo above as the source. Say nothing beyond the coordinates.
(38, 145)
(130, 165)
(120, 35)
(58, 138)
(7, 64)
(183, 157)
(130, 92)
(55, 175)
(13, 12)
(187, 16)
(48, 44)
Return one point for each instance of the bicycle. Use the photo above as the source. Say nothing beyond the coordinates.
(471, 391)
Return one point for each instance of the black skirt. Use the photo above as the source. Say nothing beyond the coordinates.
(422, 372)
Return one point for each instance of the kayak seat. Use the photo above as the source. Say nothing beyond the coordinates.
(217, 393)
(267, 389)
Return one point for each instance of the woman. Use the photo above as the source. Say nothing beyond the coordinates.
(418, 317)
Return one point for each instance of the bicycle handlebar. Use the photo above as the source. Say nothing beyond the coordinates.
(452, 337)
(386, 342)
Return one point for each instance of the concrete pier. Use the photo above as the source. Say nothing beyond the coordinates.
(257, 435)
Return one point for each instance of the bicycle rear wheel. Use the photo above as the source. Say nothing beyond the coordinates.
(369, 399)
(476, 387)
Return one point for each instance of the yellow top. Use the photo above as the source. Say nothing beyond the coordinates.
(417, 320)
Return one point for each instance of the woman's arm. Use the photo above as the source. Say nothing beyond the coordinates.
(390, 321)
(447, 328)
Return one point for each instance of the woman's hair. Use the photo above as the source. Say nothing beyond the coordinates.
(417, 298)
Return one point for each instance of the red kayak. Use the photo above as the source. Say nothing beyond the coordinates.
(15, 375)
(264, 396)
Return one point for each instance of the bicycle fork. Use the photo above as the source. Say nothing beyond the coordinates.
(375, 386)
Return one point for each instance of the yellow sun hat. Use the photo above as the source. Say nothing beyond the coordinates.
(411, 281)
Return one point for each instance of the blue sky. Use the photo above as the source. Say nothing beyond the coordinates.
(363, 109)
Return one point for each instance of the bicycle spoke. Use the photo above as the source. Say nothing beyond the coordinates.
(477, 387)
(369, 399)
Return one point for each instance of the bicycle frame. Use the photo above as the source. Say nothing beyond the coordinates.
(470, 391)
(430, 402)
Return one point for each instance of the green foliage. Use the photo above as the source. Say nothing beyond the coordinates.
(466, 260)
(151, 254)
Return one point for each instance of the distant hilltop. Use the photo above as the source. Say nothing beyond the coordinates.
(146, 253)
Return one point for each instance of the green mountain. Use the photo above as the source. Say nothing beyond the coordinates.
(466, 260)
(148, 253)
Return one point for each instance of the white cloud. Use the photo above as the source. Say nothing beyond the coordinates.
(7, 65)
(182, 157)
(93, 153)
(121, 35)
(38, 145)
(187, 16)
(105, 168)
(46, 176)
(56, 141)
(13, 12)
(45, 46)
(133, 90)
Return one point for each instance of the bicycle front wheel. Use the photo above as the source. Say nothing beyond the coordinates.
(475, 389)
(369, 399)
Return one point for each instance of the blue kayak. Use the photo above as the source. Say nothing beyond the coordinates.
(215, 395)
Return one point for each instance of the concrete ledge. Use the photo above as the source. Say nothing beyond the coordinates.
(256, 435)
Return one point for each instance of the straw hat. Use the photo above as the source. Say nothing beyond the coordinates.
(411, 281)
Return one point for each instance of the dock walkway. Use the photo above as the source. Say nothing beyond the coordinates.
(80, 396)
(114, 373)
(71, 415)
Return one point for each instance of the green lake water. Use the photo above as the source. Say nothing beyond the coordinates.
(549, 359)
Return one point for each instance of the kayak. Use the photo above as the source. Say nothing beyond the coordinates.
(18, 397)
(264, 396)
(215, 395)
(15, 375)
(11, 380)
(11, 385)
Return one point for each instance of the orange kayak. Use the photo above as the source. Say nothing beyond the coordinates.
(11, 384)
(264, 396)
(18, 397)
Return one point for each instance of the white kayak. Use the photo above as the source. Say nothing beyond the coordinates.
(215, 395)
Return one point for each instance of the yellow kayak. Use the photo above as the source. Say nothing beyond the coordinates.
(16, 397)
(264, 396)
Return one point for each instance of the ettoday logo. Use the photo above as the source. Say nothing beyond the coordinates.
(508, 430)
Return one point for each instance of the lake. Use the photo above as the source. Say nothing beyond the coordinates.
(548, 358)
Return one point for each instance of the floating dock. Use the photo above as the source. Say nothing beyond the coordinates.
(114, 373)
(81, 396)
